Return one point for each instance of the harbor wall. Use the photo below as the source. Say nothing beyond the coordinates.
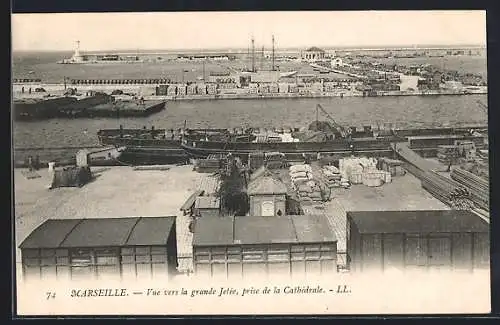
(149, 92)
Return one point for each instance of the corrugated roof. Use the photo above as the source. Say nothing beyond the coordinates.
(99, 232)
(266, 185)
(264, 230)
(151, 231)
(425, 221)
(190, 200)
(207, 202)
(312, 229)
(213, 231)
(49, 234)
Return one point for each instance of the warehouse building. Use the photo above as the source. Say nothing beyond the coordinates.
(138, 247)
(242, 247)
(416, 240)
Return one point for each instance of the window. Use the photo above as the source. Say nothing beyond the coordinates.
(218, 257)
(144, 261)
(202, 257)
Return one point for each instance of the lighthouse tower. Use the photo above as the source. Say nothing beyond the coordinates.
(77, 57)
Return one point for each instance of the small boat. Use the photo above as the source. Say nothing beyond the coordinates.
(102, 157)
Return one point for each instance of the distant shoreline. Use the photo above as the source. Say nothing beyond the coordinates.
(351, 48)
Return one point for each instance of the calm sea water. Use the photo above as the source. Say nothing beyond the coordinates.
(404, 111)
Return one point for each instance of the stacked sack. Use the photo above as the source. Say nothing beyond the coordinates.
(300, 174)
(303, 182)
(332, 176)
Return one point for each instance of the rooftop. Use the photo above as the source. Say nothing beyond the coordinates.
(207, 202)
(315, 49)
(262, 230)
(417, 221)
(68, 233)
(266, 183)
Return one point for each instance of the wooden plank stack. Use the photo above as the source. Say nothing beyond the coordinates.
(447, 191)
(211, 164)
(478, 187)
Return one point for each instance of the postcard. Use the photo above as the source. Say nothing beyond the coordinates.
(230, 163)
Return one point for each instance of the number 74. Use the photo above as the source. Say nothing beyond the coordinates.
(50, 295)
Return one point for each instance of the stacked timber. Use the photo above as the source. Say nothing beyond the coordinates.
(211, 164)
(478, 187)
(447, 191)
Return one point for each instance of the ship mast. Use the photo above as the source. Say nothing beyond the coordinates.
(273, 56)
(253, 55)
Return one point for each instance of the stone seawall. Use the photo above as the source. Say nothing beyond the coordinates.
(148, 92)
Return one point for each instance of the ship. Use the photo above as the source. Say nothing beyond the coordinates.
(320, 137)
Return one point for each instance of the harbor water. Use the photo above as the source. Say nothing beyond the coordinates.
(402, 111)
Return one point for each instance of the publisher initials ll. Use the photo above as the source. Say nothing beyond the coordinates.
(343, 289)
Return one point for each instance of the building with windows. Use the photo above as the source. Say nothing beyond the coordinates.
(134, 247)
(313, 54)
(267, 195)
(257, 246)
(336, 62)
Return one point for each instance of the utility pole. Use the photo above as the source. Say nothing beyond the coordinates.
(253, 55)
(273, 56)
(262, 59)
(204, 70)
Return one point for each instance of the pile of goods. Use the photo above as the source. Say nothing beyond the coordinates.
(478, 187)
(447, 154)
(73, 176)
(466, 149)
(333, 178)
(447, 191)
(275, 160)
(308, 189)
(363, 171)
(211, 164)
(395, 167)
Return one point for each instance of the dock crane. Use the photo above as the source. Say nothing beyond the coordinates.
(344, 132)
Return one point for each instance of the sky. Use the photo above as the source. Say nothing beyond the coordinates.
(201, 30)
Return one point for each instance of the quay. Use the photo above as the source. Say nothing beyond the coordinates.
(148, 92)
(126, 191)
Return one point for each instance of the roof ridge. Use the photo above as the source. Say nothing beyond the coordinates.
(72, 229)
(131, 231)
